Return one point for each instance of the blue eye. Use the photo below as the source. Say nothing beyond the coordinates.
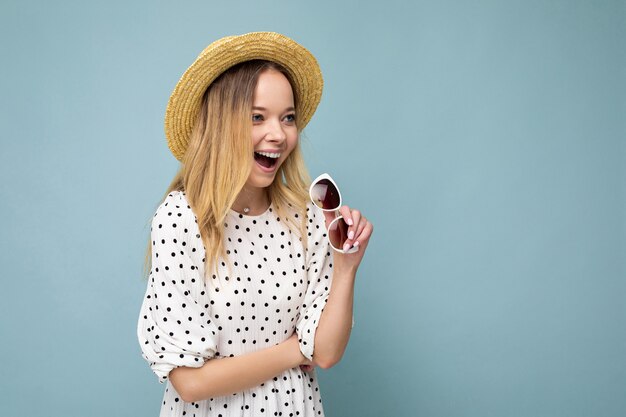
(257, 117)
(291, 117)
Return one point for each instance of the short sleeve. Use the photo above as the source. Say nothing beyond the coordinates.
(319, 271)
(174, 327)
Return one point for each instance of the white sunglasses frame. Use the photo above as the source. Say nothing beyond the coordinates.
(326, 176)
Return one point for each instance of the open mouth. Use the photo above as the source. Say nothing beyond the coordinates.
(266, 160)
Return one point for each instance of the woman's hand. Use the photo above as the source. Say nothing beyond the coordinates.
(359, 232)
(307, 368)
(305, 364)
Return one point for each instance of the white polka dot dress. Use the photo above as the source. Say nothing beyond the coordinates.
(275, 290)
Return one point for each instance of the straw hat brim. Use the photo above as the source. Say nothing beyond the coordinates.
(184, 103)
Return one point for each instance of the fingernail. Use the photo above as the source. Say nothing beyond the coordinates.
(351, 234)
(346, 246)
(349, 221)
(356, 243)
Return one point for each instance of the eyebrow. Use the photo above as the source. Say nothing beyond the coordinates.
(264, 109)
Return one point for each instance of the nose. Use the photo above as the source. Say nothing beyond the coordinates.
(275, 132)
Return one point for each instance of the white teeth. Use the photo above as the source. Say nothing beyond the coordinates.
(269, 155)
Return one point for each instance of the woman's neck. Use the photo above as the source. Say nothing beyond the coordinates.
(252, 202)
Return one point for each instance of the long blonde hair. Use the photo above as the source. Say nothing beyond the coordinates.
(219, 160)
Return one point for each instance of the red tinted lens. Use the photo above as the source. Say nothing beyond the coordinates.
(338, 233)
(325, 195)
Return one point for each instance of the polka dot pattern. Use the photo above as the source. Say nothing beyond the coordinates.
(276, 288)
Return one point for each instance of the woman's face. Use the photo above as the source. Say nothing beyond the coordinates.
(274, 130)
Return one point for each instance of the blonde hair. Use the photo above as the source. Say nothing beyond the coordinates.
(219, 160)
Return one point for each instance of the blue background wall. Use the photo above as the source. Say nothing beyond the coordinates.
(485, 140)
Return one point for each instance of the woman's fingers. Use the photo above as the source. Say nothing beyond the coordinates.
(359, 228)
(353, 219)
(365, 233)
(346, 214)
(358, 235)
(356, 218)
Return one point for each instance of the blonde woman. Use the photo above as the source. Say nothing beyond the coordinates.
(247, 290)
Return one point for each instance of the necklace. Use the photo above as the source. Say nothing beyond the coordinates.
(246, 209)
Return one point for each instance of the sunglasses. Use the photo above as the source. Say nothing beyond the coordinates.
(326, 196)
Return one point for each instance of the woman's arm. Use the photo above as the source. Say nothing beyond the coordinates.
(335, 325)
(333, 331)
(225, 376)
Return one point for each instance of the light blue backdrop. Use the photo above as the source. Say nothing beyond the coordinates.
(485, 140)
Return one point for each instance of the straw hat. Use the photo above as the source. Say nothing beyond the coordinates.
(182, 108)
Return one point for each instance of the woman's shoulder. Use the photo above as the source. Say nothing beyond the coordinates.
(174, 200)
(174, 211)
(175, 196)
(315, 222)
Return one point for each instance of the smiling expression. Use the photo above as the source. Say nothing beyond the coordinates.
(274, 130)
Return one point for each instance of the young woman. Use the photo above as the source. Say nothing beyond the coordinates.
(245, 293)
